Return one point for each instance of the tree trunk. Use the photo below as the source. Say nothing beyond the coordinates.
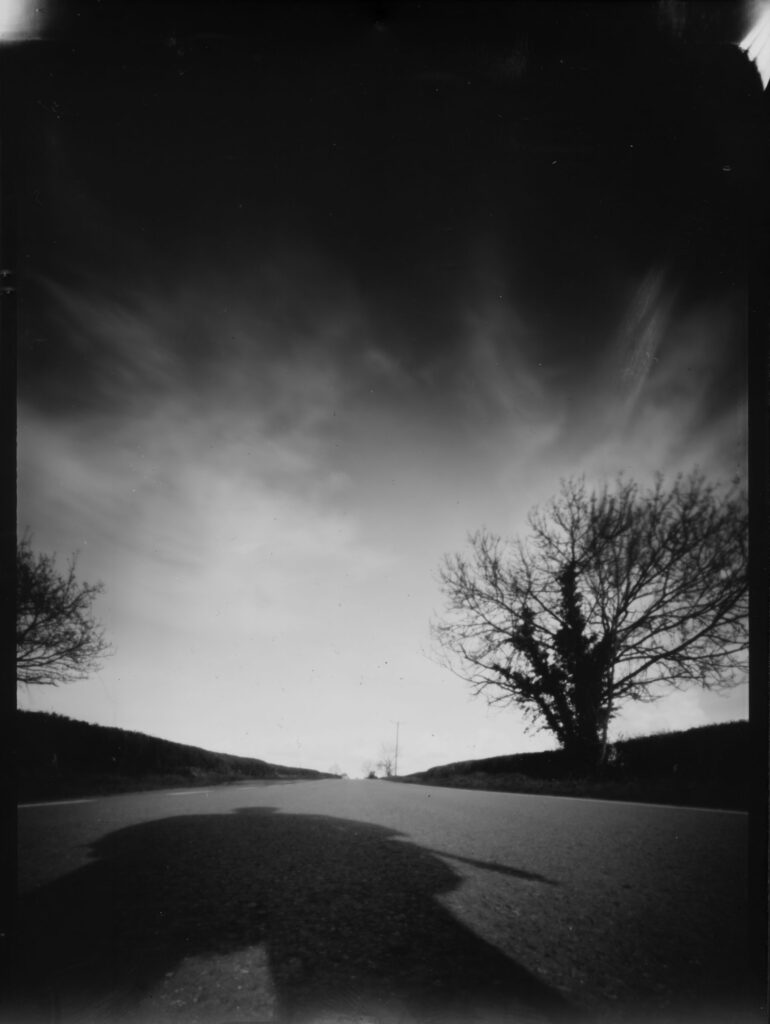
(584, 754)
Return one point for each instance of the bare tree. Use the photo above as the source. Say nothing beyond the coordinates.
(614, 596)
(385, 763)
(58, 639)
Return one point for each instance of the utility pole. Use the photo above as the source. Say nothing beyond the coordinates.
(395, 770)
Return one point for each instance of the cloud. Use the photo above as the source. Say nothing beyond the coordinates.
(286, 341)
(641, 336)
(226, 565)
(501, 378)
(266, 478)
(183, 491)
(669, 393)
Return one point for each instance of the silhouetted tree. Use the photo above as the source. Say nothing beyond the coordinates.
(614, 595)
(58, 639)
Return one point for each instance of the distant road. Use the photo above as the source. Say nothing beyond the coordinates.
(342, 902)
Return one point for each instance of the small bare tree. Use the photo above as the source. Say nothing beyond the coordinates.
(612, 597)
(58, 639)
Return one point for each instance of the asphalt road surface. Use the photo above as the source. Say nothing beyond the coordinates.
(352, 902)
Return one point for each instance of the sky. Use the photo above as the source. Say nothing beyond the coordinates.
(307, 293)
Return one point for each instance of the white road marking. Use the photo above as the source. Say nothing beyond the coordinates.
(189, 792)
(641, 803)
(58, 803)
(598, 800)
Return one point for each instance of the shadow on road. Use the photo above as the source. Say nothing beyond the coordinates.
(346, 916)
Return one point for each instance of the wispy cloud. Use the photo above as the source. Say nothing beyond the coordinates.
(502, 380)
(669, 393)
(641, 337)
(266, 484)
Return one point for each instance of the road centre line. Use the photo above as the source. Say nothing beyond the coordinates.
(189, 792)
(624, 803)
(57, 803)
(665, 807)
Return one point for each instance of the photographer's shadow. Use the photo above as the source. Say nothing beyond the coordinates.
(344, 914)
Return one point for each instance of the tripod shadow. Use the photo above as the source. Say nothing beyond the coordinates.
(346, 915)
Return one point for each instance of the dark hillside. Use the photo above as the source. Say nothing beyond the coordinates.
(59, 756)
(706, 767)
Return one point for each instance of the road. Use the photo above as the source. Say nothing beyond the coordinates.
(360, 902)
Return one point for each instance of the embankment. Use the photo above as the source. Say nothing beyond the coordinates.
(703, 767)
(59, 757)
